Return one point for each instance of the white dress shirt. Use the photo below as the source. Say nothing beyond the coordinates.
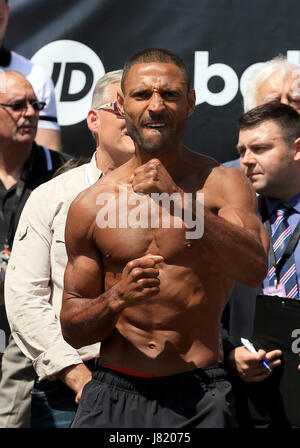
(34, 277)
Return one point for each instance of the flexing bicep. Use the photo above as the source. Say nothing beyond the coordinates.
(83, 274)
(86, 315)
(239, 207)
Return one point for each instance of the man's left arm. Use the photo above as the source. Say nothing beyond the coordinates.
(233, 236)
(235, 233)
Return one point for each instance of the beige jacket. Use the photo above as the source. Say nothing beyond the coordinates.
(34, 277)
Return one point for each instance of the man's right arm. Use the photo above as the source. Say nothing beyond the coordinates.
(237, 322)
(89, 314)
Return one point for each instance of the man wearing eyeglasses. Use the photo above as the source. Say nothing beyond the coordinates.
(23, 164)
(34, 288)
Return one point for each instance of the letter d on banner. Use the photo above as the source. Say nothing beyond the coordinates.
(75, 68)
(203, 72)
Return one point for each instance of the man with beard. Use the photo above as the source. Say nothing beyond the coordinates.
(23, 164)
(153, 293)
(33, 290)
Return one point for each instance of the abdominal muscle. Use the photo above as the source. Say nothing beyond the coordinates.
(172, 332)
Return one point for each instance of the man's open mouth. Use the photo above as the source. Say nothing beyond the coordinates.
(155, 125)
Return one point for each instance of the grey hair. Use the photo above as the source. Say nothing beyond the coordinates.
(280, 64)
(101, 94)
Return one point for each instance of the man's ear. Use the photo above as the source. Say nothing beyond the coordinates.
(120, 102)
(93, 121)
(297, 149)
(191, 101)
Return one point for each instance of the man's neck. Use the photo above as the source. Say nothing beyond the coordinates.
(105, 162)
(12, 160)
(288, 195)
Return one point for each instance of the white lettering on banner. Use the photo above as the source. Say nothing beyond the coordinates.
(295, 347)
(75, 68)
(203, 72)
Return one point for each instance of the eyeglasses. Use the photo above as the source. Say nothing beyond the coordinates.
(115, 109)
(18, 107)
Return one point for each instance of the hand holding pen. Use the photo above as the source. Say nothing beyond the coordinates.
(248, 363)
(252, 349)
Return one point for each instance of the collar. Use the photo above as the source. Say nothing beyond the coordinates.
(92, 172)
(272, 204)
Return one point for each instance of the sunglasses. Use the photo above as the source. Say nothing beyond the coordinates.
(115, 109)
(22, 105)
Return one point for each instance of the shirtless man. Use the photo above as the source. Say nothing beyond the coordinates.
(151, 296)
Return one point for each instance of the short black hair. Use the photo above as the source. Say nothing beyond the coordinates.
(155, 55)
(283, 115)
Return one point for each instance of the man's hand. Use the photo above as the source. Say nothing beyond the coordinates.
(139, 279)
(249, 366)
(152, 177)
(75, 377)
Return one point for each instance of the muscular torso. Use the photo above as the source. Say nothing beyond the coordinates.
(178, 328)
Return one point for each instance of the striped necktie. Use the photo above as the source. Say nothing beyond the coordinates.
(281, 234)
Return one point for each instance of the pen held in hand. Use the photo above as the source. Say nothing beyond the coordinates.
(249, 346)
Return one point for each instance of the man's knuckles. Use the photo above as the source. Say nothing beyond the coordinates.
(147, 261)
(144, 272)
(152, 164)
(144, 185)
(148, 282)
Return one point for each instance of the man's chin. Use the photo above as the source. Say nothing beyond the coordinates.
(159, 147)
(27, 133)
(26, 138)
(261, 190)
(156, 150)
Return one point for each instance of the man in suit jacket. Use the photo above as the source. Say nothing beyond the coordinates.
(269, 147)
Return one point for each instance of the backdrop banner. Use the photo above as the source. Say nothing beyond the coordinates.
(221, 41)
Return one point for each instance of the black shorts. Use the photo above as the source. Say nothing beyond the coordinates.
(200, 398)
